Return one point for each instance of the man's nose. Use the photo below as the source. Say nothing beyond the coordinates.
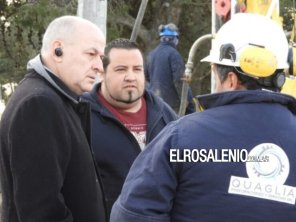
(98, 65)
(130, 76)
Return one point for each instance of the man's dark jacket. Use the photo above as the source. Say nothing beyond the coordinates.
(47, 169)
(160, 188)
(164, 70)
(114, 146)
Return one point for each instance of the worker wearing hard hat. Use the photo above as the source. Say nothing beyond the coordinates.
(165, 68)
(236, 160)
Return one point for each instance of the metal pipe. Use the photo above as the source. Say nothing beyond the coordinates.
(232, 10)
(139, 20)
(188, 71)
(214, 30)
(273, 5)
(213, 17)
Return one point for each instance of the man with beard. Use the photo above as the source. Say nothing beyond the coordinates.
(125, 117)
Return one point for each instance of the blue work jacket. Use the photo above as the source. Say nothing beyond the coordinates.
(164, 70)
(190, 185)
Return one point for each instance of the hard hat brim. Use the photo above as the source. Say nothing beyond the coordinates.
(213, 59)
(206, 59)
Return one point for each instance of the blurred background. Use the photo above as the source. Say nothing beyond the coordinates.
(22, 24)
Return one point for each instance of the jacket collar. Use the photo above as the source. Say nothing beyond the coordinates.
(246, 96)
(168, 43)
(37, 65)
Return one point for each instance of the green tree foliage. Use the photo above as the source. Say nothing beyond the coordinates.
(288, 13)
(22, 25)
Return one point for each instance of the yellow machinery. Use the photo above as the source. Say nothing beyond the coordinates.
(265, 7)
(271, 8)
(222, 10)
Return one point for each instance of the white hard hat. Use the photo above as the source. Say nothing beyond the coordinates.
(253, 42)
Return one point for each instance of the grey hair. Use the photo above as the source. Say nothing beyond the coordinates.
(61, 28)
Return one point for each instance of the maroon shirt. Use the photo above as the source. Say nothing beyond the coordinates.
(136, 122)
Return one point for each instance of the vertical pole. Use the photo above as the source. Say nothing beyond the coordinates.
(94, 11)
(139, 20)
(213, 34)
(273, 5)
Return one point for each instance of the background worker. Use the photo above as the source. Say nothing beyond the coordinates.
(248, 57)
(165, 68)
(125, 117)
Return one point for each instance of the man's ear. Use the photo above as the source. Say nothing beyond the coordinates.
(57, 51)
(232, 82)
